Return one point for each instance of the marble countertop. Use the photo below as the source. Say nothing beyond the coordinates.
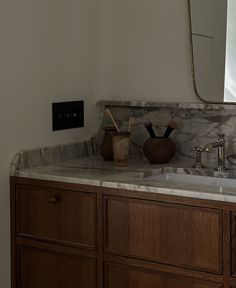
(135, 177)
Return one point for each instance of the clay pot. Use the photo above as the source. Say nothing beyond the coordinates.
(106, 148)
(159, 150)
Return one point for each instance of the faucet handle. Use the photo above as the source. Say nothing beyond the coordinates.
(198, 161)
(221, 134)
(198, 149)
(221, 137)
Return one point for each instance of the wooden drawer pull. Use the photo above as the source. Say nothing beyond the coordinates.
(53, 199)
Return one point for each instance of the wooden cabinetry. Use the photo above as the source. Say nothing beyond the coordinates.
(40, 269)
(233, 244)
(66, 217)
(128, 277)
(68, 235)
(179, 235)
(54, 236)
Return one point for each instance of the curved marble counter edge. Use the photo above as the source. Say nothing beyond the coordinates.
(47, 155)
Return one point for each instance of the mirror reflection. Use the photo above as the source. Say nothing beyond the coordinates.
(213, 43)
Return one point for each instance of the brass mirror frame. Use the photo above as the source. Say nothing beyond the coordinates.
(193, 65)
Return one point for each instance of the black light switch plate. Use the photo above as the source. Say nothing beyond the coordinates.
(67, 115)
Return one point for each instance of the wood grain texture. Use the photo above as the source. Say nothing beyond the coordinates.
(233, 244)
(128, 277)
(232, 282)
(173, 234)
(164, 241)
(227, 246)
(38, 269)
(13, 235)
(57, 216)
(158, 267)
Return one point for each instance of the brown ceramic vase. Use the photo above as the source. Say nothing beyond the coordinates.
(106, 148)
(159, 150)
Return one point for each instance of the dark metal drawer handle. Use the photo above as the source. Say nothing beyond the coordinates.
(53, 199)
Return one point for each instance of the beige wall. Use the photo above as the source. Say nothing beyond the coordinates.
(143, 51)
(45, 56)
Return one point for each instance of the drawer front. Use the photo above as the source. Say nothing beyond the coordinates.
(127, 277)
(178, 235)
(38, 269)
(56, 216)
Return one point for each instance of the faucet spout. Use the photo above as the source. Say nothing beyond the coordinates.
(210, 147)
(220, 144)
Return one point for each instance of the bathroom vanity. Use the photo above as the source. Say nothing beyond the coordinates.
(84, 223)
(77, 221)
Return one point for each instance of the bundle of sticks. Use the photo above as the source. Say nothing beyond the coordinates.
(109, 115)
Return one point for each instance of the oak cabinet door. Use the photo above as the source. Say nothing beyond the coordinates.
(56, 215)
(37, 269)
(127, 277)
(179, 235)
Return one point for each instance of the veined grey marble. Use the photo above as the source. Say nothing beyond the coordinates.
(135, 177)
(198, 124)
(48, 155)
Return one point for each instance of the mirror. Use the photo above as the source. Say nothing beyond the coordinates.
(213, 49)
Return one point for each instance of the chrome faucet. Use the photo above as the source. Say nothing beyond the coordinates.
(220, 144)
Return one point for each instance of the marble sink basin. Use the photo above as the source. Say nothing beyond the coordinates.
(220, 183)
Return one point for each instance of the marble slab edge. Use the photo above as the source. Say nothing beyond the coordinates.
(177, 191)
(48, 155)
(183, 105)
(59, 178)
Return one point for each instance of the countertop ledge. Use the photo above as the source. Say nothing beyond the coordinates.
(95, 172)
(177, 105)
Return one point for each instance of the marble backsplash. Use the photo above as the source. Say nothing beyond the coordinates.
(198, 124)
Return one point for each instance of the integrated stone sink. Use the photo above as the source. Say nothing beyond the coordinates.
(220, 183)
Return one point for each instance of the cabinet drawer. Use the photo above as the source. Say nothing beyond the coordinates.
(56, 216)
(128, 277)
(179, 235)
(38, 269)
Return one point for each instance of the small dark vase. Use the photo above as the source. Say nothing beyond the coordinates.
(106, 148)
(159, 150)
